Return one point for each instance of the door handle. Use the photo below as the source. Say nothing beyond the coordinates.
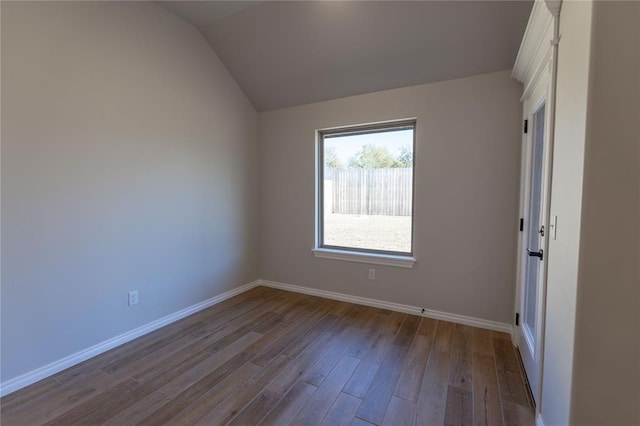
(535, 253)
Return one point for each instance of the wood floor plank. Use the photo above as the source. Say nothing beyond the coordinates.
(302, 364)
(149, 349)
(375, 355)
(277, 332)
(360, 422)
(261, 405)
(109, 404)
(323, 399)
(179, 349)
(229, 309)
(234, 406)
(482, 342)
(273, 357)
(255, 410)
(194, 375)
(195, 384)
(137, 412)
(510, 383)
(323, 366)
(299, 366)
(208, 338)
(304, 340)
(400, 412)
(28, 395)
(104, 359)
(460, 371)
(300, 326)
(512, 388)
(286, 409)
(376, 400)
(342, 411)
(459, 411)
(252, 325)
(517, 415)
(207, 401)
(505, 355)
(48, 408)
(294, 303)
(359, 349)
(296, 369)
(114, 396)
(411, 377)
(248, 308)
(487, 408)
(427, 327)
(444, 337)
(500, 335)
(432, 396)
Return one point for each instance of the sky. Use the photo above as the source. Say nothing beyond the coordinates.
(347, 146)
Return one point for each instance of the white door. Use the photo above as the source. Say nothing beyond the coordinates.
(533, 247)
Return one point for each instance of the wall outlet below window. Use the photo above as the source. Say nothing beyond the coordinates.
(133, 297)
(372, 274)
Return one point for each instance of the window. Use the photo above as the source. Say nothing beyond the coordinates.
(365, 193)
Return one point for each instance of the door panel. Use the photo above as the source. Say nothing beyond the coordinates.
(533, 256)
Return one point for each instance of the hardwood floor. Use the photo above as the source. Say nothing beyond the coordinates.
(272, 357)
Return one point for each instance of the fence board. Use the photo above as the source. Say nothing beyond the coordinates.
(372, 191)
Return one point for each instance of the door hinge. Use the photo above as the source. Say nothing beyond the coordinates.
(517, 318)
(521, 224)
(526, 126)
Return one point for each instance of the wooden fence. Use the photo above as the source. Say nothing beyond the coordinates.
(371, 191)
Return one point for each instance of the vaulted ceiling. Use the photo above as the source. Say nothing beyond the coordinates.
(286, 53)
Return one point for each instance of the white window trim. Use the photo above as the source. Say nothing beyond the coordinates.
(398, 261)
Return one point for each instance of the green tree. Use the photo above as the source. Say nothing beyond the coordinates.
(405, 159)
(373, 157)
(331, 160)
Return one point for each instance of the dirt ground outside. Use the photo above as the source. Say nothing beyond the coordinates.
(390, 233)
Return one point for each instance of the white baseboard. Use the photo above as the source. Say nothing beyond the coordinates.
(414, 310)
(33, 376)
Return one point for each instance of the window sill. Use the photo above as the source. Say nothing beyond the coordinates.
(372, 258)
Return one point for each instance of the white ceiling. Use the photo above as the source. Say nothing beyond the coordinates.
(286, 53)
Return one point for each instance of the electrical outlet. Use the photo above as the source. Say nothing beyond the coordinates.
(372, 274)
(133, 297)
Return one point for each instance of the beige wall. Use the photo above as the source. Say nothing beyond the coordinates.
(607, 353)
(128, 162)
(566, 204)
(466, 202)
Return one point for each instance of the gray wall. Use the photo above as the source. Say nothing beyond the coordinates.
(466, 203)
(607, 361)
(128, 162)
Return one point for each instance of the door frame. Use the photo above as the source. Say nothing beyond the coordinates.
(539, 93)
(537, 58)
